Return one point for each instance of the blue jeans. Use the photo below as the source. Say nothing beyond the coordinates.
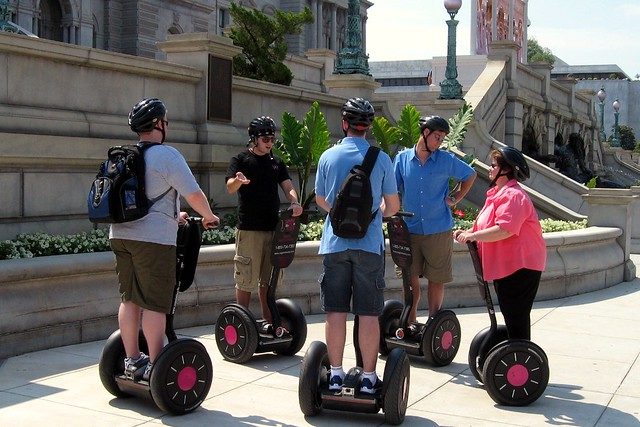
(353, 274)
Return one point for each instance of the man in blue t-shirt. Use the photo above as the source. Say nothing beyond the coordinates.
(422, 173)
(353, 269)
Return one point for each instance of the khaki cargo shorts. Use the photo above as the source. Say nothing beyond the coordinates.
(252, 261)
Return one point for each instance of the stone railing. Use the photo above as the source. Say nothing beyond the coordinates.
(67, 299)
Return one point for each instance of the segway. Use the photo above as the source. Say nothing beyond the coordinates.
(515, 372)
(313, 385)
(437, 341)
(239, 335)
(182, 373)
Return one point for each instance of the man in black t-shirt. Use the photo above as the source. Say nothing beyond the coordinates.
(255, 175)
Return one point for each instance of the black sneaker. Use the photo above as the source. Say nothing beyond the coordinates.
(266, 328)
(368, 388)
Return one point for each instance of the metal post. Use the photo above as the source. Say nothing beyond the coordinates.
(450, 88)
(603, 135)
(615, 141)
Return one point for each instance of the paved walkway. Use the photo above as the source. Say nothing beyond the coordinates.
(592, 341)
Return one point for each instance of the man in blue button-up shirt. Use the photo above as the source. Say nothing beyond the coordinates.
(422, 173)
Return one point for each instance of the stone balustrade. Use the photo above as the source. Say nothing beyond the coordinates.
(67, 299)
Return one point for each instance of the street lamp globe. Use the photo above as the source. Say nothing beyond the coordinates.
(601, 94)
(616, 105)
(452, 6)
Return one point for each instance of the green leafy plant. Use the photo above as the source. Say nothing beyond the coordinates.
(407, 131)
(627, 137)
(392, 138)
(302, 145)
(458, 124)
(263, 44)
(550, 225)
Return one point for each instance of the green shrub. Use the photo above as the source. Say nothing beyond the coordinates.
(550, 225)
(41, 244)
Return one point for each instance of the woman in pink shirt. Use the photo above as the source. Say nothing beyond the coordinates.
(510, 243)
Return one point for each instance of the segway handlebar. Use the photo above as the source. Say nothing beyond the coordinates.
(198, 220)
(398, 214)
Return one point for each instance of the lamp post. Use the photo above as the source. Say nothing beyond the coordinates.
(450, 88)
(615, 141)
(602, 95)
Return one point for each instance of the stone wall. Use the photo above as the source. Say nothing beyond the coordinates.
(67, 299)
(62, 106)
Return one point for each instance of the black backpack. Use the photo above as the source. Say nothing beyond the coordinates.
(118, 192)
(351, 213)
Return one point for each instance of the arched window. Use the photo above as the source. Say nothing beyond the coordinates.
(50, 23)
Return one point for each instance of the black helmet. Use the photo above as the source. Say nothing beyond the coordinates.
(145, 114)
(516, 160)
(434, 123)
(261, 126)
(358, 113)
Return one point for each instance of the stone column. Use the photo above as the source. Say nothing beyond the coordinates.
(194, 49)
(314, 26)
(334, 27)
(319, 24)
(544, 69)
(609, 207)
(514, 111)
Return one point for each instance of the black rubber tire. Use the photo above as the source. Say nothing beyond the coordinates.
(516, 373)
(389, 322)
(313, 378)
(441, 340)
(181, 376)
(112, 362)
(294, 321)
(235, 319)
(395, 386)
(477, 355)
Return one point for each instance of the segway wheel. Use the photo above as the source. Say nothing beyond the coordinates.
(293, 320)
(181, 376)
(389, 322)
(395, 386)
(236, 334)
(314, 376)
(516, 373)
(112, 362)
(477, 355)
(441, 340)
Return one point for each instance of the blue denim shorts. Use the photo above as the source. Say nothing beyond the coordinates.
(353, 274)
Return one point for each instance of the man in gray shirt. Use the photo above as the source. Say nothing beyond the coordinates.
(145, 249)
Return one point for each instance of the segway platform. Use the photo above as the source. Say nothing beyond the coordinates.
(182, 373)
(437, 341)
(515, 372)
(239, 335)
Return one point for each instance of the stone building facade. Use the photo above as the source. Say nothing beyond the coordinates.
(134, 26)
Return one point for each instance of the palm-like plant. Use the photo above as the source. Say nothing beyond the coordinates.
(405, 134)
(458, 124)
(301, 146)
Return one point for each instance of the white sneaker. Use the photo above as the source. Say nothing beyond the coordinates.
(147, 372)
(134, 368)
